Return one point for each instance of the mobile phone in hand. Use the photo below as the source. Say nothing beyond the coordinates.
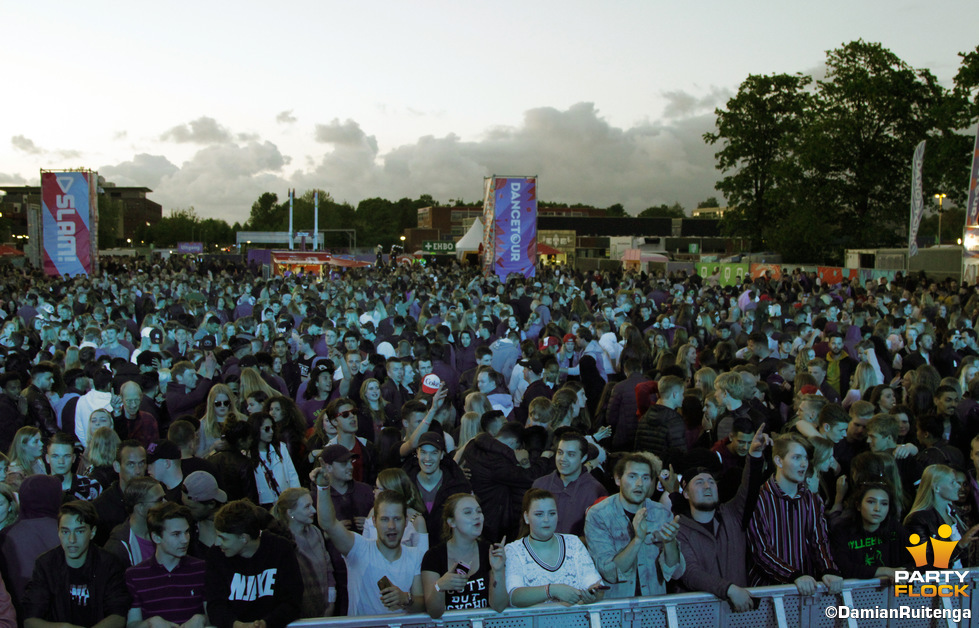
(462, 569)
(384, 583)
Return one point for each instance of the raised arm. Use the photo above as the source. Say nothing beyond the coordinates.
(325, 514)
(409, 445)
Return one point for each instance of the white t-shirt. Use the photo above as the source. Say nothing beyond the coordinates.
(366, 565)
(523, 569)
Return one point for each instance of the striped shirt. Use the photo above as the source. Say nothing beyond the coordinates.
(788, 537)
(176, 595)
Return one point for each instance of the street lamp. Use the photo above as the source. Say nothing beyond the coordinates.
(940, 198)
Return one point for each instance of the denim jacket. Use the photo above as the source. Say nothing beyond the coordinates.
(607, 533)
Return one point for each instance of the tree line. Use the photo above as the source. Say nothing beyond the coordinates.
(812, 167)
(375, 220)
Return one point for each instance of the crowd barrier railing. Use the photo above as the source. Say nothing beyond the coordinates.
(776, 607)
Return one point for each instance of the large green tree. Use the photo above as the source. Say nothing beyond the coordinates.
(758, 131)
(812, 169)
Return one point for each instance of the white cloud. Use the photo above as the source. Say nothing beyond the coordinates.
(681, 104)
(144, 170)
(285, 117)
(26, 145)
(12, 179)
(203, 130)
(578, 155)
(224, 180)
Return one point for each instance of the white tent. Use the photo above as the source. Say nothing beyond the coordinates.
(470, 242)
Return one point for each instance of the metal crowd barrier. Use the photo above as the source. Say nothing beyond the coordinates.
(777, 607)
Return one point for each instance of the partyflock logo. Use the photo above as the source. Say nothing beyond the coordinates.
(938, 582)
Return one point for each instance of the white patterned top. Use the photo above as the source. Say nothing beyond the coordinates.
(524, 569)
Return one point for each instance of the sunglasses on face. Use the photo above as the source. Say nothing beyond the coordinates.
(222, 404)
(345, 413)
(267, 428)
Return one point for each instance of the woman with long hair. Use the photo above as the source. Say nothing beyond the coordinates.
(319, 390)
(236, 470)
(864, 378)
(568, 410)
(319, 435)
(907, 431)
(222, 407)
(398, 481)
(635, 347)
(477, 402)
(100, 454)
(251, 381)
(99, 418)
(26, 456)
(868, 540)
(883, 398)
(465, 351)
(290, 423)
(544, 566)
(703, 378)
(468, 429)
(255, 402)
(372, 411)
(658, 347)
(295, 512)
(686, 359)
(822, 461)
(934, 507)
(274, 470)
(462, 571)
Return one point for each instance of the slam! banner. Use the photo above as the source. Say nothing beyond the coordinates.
(515, 226)
(67, 207)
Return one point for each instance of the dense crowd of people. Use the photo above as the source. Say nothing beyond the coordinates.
(191, 444)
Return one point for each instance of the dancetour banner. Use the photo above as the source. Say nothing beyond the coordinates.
(514, 236)
(69, 207)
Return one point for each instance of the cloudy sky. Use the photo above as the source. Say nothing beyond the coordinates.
(212, 103)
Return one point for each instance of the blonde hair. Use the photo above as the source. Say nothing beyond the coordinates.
(707, 378)
(102, 447)
(468, 427)
(252, 381)
(864, 377)
(477, 402)
(924, 499)
(209, 424)
(17, 454)
(286, 502)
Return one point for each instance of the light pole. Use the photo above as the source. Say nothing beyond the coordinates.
(940, 198)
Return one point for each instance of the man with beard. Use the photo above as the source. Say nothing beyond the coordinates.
(383, 576)
(788, 535)
(712, 536)
(839, 365)
(923, 354)
(40, 412)
(631, 538)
